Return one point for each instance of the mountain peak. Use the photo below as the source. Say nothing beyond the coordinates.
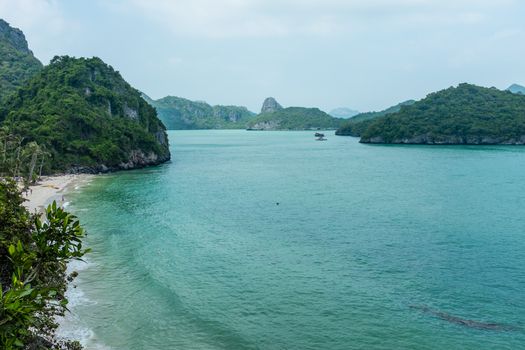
(343, 112)
(13, 36)
(18, 63)
(516, 89)
(270, 105)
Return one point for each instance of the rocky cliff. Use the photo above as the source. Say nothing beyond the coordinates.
(270, 105)
(17, 63)
(87, 117)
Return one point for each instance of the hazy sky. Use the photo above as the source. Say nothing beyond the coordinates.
(363, 54)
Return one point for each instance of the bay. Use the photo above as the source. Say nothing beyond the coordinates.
(271, 240)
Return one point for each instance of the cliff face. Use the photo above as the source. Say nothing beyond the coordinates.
(270, 105)
(17, 63)
(88, 118)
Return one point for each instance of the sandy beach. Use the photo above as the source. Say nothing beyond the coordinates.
(51, 188)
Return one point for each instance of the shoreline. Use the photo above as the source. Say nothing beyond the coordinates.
(52, 188)
(38, 197)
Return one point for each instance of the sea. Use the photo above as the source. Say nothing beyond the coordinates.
(273, 240)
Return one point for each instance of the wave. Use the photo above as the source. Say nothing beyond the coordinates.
(71, 326)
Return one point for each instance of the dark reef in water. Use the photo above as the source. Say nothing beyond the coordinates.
(463, 321)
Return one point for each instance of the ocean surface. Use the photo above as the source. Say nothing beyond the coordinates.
(271, 240)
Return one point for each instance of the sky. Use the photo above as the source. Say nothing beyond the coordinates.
(362, 54)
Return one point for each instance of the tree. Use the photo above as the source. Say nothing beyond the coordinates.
(34, 252)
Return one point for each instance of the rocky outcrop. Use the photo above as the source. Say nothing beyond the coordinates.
(17, 63)
(266, 125)
(14, 37)
(270, 105)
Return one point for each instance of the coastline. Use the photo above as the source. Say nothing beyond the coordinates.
(38, 197)
(52, 188)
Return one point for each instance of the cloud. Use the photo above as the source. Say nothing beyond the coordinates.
(284, 18)
(42, 22)
(41, 15)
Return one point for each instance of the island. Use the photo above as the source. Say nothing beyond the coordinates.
(274, 117)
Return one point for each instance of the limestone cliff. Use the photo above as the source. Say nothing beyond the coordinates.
(87, 117)
(17, 63)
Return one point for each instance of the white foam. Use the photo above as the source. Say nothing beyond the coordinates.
(71, 326)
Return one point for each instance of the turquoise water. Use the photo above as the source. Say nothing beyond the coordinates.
(196, 254)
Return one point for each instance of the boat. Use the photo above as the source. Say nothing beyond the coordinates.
(320, 136)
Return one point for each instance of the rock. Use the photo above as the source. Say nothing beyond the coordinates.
(270, 105)
(130, 112)
(14, 36)
(266, 125)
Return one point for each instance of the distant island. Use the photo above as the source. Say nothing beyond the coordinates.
(178, 113)
(516, 89)
(358, 123)
(343, 112)
(466, 114)
(274, 117)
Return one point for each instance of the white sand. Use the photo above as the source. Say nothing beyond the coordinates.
(52, 188)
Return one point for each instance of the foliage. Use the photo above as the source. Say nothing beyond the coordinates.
(466, 114)
(17, 63)
(19, 160)
(180, 114)
(295, 118)
(85, 114)
(358, 123)
(33, 255)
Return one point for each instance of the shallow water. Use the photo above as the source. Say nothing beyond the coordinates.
(197, 254)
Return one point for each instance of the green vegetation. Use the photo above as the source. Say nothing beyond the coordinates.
(17, 63)
(34, 252)
(357, 124)
(466, 114)
(179, 114)
(19, 160)
(294, 118)
(86, 117)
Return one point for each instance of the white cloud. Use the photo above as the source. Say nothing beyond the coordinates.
(272, 18)
(43, 15)
(42, 22)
